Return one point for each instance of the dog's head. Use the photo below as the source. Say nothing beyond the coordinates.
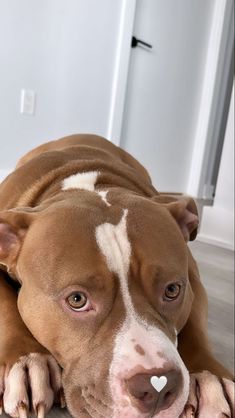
(105, 289)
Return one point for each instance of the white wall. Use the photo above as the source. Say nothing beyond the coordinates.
(218, 221)
(65, 51)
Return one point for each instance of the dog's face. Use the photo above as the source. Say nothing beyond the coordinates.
(105, 289)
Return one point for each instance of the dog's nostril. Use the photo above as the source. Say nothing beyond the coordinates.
(147, 397)
(142, 392)
(167, 399)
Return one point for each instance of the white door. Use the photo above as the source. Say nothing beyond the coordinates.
(165, 87)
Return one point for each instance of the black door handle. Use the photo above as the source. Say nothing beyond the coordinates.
(135, 42)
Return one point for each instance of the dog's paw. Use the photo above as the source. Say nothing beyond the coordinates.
(33, 383)
(209, 397)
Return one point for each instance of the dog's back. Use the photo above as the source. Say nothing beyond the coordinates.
(58, 159)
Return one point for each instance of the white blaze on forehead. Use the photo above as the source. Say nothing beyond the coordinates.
(115, 246)
(85, 181)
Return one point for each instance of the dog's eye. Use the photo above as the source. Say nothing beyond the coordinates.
(172, 291)
(77, 301)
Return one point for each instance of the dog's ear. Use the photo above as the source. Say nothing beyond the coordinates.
(184, 210)
(13, 227)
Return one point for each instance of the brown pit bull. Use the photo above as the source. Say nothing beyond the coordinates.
(107, 289)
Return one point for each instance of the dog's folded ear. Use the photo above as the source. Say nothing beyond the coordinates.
(13, 227)
(184, 211)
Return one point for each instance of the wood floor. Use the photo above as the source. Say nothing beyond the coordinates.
(217, 271)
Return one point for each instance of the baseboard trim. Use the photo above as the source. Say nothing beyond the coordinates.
(216, 243)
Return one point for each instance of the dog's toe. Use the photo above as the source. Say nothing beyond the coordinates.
(188, 412)
(229, 390)
(33, 383)
(209, 397)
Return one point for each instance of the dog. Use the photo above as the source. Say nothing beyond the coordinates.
(109, 308)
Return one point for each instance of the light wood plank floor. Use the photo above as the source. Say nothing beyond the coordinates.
(217, 272)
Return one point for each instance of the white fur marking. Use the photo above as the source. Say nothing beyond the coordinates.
(114, 244)
(84, 181)
(176, 337)
(159, 353)
(103, 195)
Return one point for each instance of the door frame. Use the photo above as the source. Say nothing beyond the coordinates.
(121, 70)
(214, 87)
(217, 78)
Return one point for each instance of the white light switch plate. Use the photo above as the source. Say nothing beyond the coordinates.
(27, 102)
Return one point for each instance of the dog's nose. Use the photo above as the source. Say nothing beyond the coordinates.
(147, 398)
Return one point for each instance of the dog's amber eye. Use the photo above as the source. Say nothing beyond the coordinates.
(77, 301)
(172, 291)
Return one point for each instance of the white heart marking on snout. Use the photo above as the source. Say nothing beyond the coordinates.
(158, 382)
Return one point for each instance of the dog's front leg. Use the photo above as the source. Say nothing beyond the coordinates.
(211, 388)
(30, 378)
